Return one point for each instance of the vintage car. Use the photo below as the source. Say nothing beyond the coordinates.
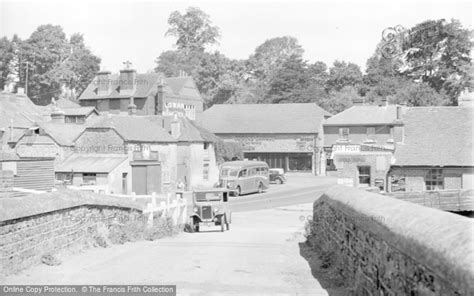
(277, 176)
(209, 207)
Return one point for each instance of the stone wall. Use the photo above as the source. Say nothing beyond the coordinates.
(38, 225)
(383, 246)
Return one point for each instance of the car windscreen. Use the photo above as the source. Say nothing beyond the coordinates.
(208, 196)
(229, 172)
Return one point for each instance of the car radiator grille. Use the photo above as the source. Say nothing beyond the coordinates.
(206, 212)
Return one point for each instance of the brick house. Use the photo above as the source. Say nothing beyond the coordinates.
(152, 93)
(287, 136)
(435, 152)
(359, 143)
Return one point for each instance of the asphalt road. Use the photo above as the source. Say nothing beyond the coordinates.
(260, 255)
(301, 188)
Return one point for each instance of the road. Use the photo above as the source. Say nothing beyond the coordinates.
(260, 255)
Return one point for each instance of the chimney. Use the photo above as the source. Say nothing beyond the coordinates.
(127, 79)
(175, 127)
(358, 101)
(159, 103)
(132, 108)
(57, 116)
(104, 85)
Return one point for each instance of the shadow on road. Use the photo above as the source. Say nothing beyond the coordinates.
(325, 276)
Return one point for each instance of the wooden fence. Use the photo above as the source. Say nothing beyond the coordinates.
(446, 200)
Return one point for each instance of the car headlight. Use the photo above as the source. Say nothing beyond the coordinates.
(195, 210)
(216, 210)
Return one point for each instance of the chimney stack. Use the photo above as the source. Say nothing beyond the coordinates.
(127, 80)
(104, 85)
(175, 127)
(132, 108)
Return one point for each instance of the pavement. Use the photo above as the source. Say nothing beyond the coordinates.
(260, 255)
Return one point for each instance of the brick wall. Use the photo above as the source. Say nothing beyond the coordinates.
(44, 224)
(383, 246)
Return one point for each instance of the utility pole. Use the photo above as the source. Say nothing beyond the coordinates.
(26, 78)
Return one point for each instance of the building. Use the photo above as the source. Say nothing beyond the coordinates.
(53, 139)
(196, 151)
(435, 152)
(288, 136)
(17, 114)
(149, 149)
(34, 173)
(152, 93)
(359, 144)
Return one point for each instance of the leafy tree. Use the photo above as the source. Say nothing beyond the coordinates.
(271, 54)
(289, 82)
(9, 60)
(193, 30)
(338, 101)
(58, 66)
(418, 94)
(343, 74)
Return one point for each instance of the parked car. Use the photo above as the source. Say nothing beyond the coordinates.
(242, 177)
(277, 176)
(209, 207)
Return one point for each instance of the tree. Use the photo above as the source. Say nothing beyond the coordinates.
(57, 66)
(271, 54)
(193, 30)
(338, 101)
(9, 60)
(343, 74)
(289, 83)
(418, 94)
(438, 53)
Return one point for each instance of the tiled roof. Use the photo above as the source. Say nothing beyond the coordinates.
(21, 110)
(65, 103)
(364, 115)
(189, 130)
(78, 111)
(263, 118)
(147, 84)
(64, 134)
(133, 128)
(436, 136)
(91, 163)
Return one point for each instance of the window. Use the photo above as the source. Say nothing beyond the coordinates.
(243, 173)
(114, 104)
(370, 131)
(206, 146)
(330, 166)
(344, 133)
(434, 179)
(205, 173)
(252, 172)
(364, 175)
(88, 178)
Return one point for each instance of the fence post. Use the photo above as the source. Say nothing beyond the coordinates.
(153, 199)
(134, 198)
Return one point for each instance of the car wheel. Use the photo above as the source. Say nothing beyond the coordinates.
(279, 181)
(196, 227)
(260, 187)
(191, 227)
(238, 192)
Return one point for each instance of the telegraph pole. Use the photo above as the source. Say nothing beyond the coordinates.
(26, 78)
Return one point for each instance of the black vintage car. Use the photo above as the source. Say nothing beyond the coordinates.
(209, 208)
(277, 176)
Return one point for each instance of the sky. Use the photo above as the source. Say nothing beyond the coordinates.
(135, 30)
